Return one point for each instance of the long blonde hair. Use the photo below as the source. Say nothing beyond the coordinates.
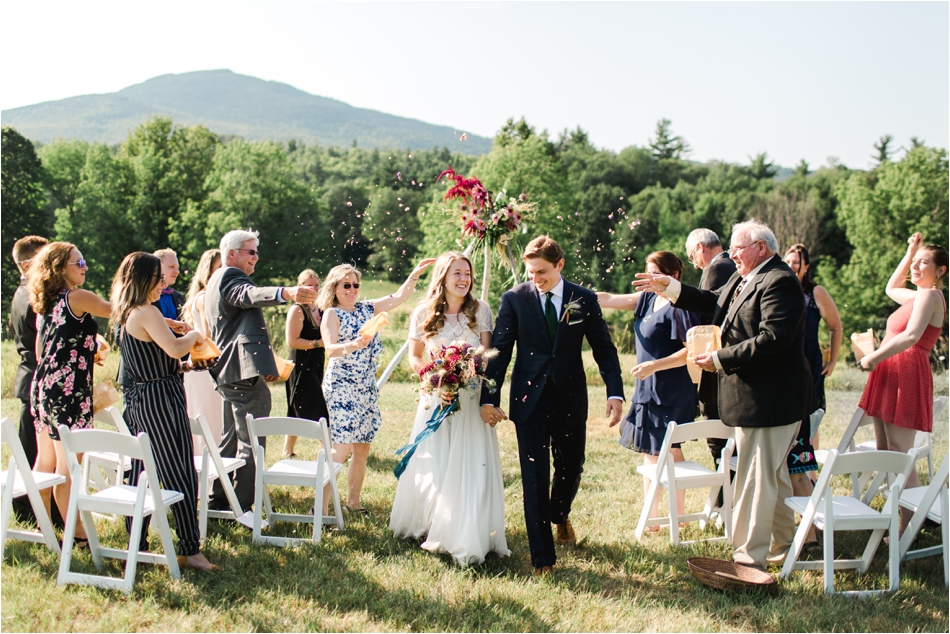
(326, 298)
(47, 275)
(435, 301)
(305, 275)
(200, 281)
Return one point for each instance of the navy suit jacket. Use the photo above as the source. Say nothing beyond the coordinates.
(521, 319)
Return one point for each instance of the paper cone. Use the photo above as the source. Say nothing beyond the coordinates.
(102, 351)
(204, 350)
(374, 325)
(700, 340)
(284, 367)
(862, 344)
(104, 395)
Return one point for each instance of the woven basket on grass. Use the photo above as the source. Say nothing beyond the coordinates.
(728, 575)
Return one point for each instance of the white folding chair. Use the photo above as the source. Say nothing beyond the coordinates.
(831, 513)
(137, 502)
(210, 466)
(928, 502)
(20, 479)
(921, 441)
(675, 476)
(307, 473)
(115, 466)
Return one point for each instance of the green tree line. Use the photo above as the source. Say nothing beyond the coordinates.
(315, 207)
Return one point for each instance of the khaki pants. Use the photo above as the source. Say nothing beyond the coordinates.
(763, 525)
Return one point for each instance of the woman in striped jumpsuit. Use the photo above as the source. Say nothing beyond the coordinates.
(155, 400)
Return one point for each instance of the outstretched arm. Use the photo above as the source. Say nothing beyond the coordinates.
(82, 301)
(619, 302)
(407, 288)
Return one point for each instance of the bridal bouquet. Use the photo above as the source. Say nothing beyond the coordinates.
(491, 221)
(454, 366)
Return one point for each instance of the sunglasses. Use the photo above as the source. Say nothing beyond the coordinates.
(348, 286)
(253, 252)
(81, 262)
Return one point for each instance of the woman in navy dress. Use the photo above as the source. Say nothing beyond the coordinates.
(664, 391)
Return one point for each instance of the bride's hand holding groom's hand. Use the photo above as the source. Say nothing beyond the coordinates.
(492, 415)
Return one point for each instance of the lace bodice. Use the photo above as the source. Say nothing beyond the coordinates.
(456, 327)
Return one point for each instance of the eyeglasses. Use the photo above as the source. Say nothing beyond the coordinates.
(25, 261)
(733, 250)
(348, 286)
(253, 252)
(692, 252)
(81, 262)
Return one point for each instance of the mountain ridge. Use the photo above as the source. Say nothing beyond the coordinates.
(228, 103)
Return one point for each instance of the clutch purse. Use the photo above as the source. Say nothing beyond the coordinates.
(700, 340)
(374, 325)
(104, 395)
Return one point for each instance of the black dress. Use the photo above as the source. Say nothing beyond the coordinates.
(155, 404)
(304, 387)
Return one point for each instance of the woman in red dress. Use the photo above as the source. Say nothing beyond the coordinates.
(899, 392)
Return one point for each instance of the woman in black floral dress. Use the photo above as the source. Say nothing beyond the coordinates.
(61, 393)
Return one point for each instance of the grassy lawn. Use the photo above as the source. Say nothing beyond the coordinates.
(365, 580)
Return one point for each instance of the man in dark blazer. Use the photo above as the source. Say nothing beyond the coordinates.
(549, 318)
(765, 387)
(23, 322)
(704, 251)
(236, 324)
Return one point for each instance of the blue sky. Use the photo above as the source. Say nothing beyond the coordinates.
(797, 80)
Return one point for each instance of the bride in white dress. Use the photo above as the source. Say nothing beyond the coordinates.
(452, 491)
(200, 394)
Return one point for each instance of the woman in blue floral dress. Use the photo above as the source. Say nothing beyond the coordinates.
(61, 393)
(349, 384)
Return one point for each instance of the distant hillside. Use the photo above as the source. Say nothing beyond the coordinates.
(228, 103)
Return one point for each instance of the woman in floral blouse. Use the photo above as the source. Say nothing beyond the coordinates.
(61, 393)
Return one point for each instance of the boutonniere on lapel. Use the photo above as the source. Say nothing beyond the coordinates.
(572, 312)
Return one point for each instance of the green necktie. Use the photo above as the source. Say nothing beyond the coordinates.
(550, 316)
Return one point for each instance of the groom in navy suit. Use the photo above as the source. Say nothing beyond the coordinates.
(549, 317)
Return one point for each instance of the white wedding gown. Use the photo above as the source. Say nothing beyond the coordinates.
(201, 396)
(452, 491)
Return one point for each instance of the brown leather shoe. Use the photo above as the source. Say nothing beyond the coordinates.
(541, 571)
(565, 533)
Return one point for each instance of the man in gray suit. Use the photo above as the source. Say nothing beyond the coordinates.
(236, 323)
